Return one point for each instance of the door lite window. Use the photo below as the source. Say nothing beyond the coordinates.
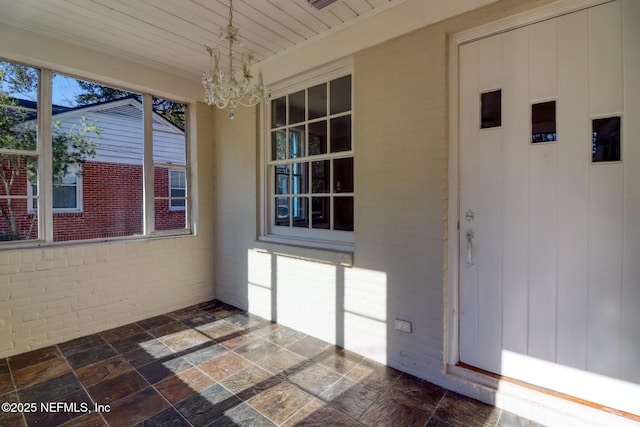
(310, 164)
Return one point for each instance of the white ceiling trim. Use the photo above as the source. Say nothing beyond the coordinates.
(377, 26)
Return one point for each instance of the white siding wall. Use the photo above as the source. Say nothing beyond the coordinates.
(121, 135)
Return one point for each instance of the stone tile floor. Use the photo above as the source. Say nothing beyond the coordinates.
(215, 365)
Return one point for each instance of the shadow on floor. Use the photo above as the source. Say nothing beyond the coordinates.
(213, 364)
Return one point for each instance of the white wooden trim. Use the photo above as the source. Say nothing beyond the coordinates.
(261, 203)
(308, 237)
(148, 167)
(326, 34)
(362, 33)
(45, 160)
(523, 19)
(451, 322)
(325, 73)
(191, 151)
(170, 169)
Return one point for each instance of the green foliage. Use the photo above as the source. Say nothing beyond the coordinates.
(93, 92)
(18, 137)
(74, 146)
(172, 111)
(18, 78)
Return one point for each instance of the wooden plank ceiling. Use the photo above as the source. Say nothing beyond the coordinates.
(172, 34)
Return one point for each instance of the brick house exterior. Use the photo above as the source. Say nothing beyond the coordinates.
(110, 196)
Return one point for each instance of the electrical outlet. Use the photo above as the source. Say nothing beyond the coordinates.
(403, 326)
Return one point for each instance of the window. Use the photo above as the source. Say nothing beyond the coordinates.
(67, 191)
(99, 182)
(19, 151)
(491, 109)
(543, 122)
(177, 189)
(170, 165)
(309, 165)
(605, 143)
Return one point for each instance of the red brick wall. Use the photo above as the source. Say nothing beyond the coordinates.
(165, 219)
(112, 205)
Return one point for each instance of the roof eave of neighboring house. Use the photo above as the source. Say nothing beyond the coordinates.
(66, 112)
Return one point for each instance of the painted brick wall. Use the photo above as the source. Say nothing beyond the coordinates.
(52, 295)
(400, 174)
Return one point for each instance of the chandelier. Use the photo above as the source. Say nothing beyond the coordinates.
(232, 86)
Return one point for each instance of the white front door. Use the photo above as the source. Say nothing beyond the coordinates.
(549, 172)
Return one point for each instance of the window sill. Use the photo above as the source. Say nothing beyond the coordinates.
(328, 253)
(40, 244)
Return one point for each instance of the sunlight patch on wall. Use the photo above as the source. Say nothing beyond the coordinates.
(259, 290)
(365, 318)
(306, 294)
(341, 305)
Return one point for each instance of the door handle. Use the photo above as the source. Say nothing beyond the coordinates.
(470, 236)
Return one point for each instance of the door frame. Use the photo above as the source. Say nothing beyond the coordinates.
(452, 286)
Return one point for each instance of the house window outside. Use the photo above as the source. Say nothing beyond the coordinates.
(309, 167)
(67, 192)
(104, 145)
(177, 189)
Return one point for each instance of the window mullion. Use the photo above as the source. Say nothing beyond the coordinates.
(148, 166)
(45, 157)
(324, 230)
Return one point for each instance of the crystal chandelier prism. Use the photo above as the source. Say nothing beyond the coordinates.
(232, 86)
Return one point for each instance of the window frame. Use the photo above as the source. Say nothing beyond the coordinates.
(44, 157)
(79, 202)
(307, 237)
(172, 198)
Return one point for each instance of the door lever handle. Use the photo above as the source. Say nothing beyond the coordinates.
(470, 236)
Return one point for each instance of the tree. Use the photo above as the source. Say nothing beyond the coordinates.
(18, 133)
(93, 92)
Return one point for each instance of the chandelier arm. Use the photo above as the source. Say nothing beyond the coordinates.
(248, 104)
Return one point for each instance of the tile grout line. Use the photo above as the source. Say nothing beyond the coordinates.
(153, 386)
(120, 355)
(15, 389)
(73, 370)
(117, 354)
(228, 350)
(435, 408)
(273, 375)
(280, 347)
(499, 417)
